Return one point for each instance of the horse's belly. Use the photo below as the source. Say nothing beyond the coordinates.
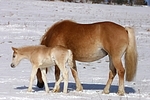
(90, 56)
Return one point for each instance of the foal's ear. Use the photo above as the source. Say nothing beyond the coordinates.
(14, 49)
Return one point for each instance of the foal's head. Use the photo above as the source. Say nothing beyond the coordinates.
(17, 56)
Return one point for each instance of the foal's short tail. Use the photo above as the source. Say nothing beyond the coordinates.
(70, 59)
(131, 55)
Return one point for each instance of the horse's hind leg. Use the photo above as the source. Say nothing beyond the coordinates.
(43, 70)
(75, 75)
(121, 71)
(112, 74)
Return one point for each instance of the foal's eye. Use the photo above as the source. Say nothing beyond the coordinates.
(14, 56)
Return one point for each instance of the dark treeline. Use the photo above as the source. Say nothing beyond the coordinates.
(119, 2)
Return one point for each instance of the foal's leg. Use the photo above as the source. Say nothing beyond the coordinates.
(112, 74)
(33, 73)
(66, 78)
(57, 78)
(43, 70)
(76, 78)
(64, 71)
(57, 84)
(74, 73)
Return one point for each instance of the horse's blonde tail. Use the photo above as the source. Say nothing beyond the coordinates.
(70, 59)
(131, 55)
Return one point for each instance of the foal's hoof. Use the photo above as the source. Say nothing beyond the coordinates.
(29, 90)
(55, 90)
(40, 85)
(105, 92)
(79, 89)
(47, 91)
(120, 93)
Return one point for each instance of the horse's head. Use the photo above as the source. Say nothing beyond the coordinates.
(16, 57)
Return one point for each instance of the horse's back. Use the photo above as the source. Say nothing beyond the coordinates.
(67, 29)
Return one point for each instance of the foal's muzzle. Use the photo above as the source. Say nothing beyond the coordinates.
(12, 65)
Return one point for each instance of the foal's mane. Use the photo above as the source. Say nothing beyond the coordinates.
(48, 34)
(28, 48)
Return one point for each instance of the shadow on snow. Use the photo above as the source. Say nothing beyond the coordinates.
(72, 87)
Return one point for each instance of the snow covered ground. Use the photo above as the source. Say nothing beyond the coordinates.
(23, 22)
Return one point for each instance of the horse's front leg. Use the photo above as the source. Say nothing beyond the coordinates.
(43, 70)
(40, 82)
(33, 73)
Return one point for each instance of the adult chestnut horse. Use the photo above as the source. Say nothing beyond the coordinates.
(90, 42)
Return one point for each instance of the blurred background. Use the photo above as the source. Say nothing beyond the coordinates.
(113, 2)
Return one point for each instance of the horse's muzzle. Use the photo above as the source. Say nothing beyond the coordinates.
(12, 65)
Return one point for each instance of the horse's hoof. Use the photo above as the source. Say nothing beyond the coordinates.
(40, 85)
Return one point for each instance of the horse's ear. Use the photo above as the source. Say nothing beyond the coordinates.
(14, 49)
